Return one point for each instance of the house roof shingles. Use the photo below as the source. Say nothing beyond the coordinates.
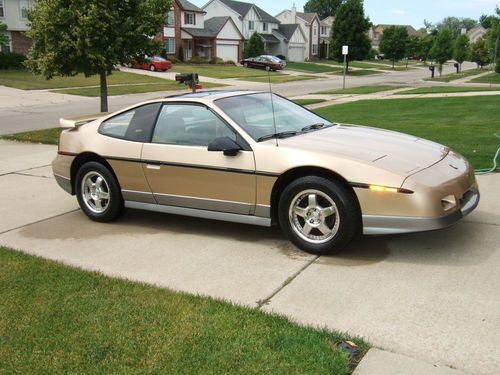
(287, 30)
(308, 17)
(212, 28)
(186, 5)
(243, 8)
(269, 38)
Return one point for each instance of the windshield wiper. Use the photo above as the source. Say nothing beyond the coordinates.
(278, 135)
(316, 126)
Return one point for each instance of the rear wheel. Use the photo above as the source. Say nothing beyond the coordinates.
(245, 65)
(152, 68)
(318, 215)
(98, 193)
(268, 68)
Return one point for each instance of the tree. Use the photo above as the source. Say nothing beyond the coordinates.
(4, 39)
(479, 53)
(324, 8)
(426, 44)
(455, 25)
(351, 28)
(394, 42)
(492, 39)
(486, 20)
(413, 47)
(461, 49)
(254, 47)
(92, 36)
(442, 49)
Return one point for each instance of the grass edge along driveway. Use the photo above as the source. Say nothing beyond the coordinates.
(60, 319)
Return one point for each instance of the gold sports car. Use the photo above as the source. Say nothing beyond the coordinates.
(257, 158)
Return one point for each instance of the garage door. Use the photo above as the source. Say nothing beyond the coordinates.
(227, 52)
(296, 53)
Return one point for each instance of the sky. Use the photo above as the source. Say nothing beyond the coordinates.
(401, 12)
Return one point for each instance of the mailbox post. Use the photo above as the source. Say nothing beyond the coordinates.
(432, 68)
(189, 79)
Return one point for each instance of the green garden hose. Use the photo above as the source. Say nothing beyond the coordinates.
(495, 165)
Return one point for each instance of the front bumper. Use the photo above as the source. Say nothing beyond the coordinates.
(380, 225)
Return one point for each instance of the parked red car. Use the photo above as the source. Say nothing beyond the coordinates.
(155, 63)
(264, 61)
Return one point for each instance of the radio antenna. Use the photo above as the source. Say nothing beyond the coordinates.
(272, 105)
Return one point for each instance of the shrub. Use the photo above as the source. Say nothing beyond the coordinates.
(219, 61)
(173, 60)
(11, 60)
(281, 57)
(229, 62)
(180, 54)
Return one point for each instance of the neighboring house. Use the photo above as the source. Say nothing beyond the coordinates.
(310, 25)
(326, 36)
(199, 35)
(278, 39)
(476, 33)
(13, 13)
(375, 33)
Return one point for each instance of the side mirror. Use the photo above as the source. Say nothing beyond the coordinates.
(225, 144)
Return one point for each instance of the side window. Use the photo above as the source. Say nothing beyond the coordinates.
(134, 125)
(191, 125)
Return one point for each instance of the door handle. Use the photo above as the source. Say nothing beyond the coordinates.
(153, 165)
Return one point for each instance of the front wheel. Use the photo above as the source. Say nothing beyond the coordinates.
(152, 68)
(245, 65)
(98, 193)
(268, 68)
(318, 215)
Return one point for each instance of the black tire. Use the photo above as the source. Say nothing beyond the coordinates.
(152, 68)
(245, 65)
(110, 208)
(268, 68)
(329, 196)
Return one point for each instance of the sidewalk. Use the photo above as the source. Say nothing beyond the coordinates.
(398, 292)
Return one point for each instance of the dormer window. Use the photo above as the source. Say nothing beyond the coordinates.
(315, 30)
(264, 26)
(189, 18)
(251, 25)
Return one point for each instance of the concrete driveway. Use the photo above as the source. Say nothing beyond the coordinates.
(432, 296)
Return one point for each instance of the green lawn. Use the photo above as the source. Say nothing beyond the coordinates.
(466, 124)
(447, 89)
(23, 79)
(371, 65)
(490, 78)
(308, 101)
(279, 78)
(132, 89)
(359, 72)
(455, 76)
(47, 136)
(310, 67)
(57, 319)
(360, 90)
(220, 71)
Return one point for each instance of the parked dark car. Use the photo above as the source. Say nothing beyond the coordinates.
(155, 63)
(267, 62)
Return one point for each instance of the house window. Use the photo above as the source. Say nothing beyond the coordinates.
(323, 30)
(24, 6)
(315, 30)
(189, 19)
(264, 26)
(170, 20)
(314, 49)
(170, 45)
(251, 25)
(2, 8)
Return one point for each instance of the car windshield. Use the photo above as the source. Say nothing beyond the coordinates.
(257, 115)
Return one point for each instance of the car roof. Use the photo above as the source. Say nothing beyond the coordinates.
(210, 96)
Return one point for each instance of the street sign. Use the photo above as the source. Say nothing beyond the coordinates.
(345, 50)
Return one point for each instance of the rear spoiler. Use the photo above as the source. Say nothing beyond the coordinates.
(76, 121)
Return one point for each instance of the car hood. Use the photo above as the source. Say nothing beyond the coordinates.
(388, 150)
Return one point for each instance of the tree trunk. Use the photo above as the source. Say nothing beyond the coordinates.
(104, 91)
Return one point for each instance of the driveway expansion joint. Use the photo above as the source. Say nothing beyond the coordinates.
(24, 170)
(38, 221)
(288, 280)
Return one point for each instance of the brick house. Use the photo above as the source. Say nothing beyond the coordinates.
(13, 14)
(187, 26)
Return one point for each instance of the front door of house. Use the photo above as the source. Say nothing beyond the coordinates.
(189, 49)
